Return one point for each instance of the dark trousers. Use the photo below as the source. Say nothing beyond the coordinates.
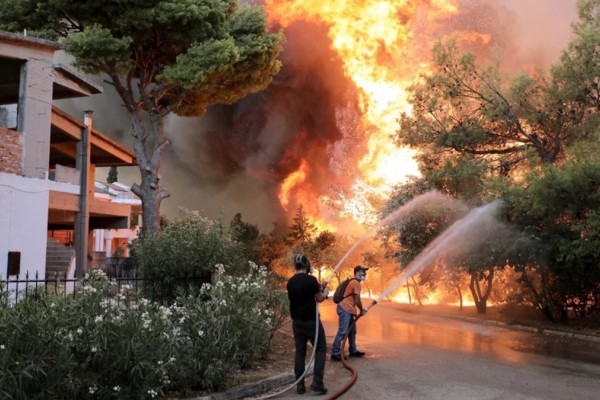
(304, 331)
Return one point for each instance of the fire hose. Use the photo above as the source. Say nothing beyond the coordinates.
(308, 365)
(354, 376)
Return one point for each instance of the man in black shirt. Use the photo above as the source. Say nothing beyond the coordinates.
(304, 292)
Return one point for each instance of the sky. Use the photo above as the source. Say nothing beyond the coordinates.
(220, 169)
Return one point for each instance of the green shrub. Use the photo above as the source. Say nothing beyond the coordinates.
(87, 346)
(188, 247)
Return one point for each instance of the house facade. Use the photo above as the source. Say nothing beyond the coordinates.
(46, 157)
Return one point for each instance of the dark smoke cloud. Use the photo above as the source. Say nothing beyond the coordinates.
(266, 135)
(235, 157)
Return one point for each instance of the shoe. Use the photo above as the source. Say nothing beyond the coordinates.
(336, 358)
(300, 388)
(357, 354)
(320, 389)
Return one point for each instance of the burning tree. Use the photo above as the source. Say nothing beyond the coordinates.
(463, 110)
(162, 56)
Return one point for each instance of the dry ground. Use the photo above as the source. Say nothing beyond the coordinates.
(279, 360)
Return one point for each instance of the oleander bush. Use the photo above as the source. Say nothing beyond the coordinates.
(91, 346)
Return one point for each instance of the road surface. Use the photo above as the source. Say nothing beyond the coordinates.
(419, 356)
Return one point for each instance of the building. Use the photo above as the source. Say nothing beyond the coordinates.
(44, 155)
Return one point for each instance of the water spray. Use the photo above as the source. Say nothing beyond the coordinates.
(455, 236)
(451, 236)
(429, 197)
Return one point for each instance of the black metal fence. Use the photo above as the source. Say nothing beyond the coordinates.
(126, 278)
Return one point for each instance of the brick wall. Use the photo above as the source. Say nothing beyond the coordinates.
(11, 151)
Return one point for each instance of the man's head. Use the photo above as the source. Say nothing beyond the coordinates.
(360, 273)
(301, 263)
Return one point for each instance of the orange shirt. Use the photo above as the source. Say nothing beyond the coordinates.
(348, 303)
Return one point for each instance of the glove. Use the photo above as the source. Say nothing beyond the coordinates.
(363, 311)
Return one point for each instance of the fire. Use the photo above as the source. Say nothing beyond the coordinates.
(293, 187)
(372, 38)
(292, 181)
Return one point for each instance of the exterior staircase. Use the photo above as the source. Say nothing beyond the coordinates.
(58, 259)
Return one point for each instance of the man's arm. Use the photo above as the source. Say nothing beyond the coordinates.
(320, 297)
(358, 302)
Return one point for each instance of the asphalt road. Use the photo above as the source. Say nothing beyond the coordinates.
(416, 356)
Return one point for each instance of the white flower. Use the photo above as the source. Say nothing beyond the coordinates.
(2, 347)
(92, 389)
(152, 393)
(79, 331)
(98, 319)
(220, 269)
(200, 333)
(94, 349)
(117, 388)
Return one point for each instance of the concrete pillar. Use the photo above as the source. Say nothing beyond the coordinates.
(35, 96)
(82, 233)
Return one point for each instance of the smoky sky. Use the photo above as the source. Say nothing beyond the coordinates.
(235, 157)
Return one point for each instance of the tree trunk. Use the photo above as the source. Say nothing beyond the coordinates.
(416, 288)
(408, 291)
(480, 297)
(460, 296)
(148, 157)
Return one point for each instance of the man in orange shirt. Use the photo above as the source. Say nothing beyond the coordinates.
(347, 311)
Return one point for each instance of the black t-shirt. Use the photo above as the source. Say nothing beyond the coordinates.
(301, 289)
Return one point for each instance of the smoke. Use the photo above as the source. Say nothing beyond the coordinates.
(235, 158)
(248, 148)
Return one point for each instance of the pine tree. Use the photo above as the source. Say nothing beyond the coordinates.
(112, 175)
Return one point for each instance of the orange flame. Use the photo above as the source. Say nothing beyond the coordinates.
(372, 38)
(293, 180)
(293, 186)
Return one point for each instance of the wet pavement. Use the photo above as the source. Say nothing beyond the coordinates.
(422, 356)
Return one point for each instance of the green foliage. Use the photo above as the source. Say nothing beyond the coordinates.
(302, 230)
(89, 346)
(246, 234)
(97, 50)
(464, 112)
(190, 246)
(430, 214)
(113, 175)
(577, 69)
(559, 212)
(272, 246)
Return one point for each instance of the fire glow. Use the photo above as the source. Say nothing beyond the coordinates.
(372, 38)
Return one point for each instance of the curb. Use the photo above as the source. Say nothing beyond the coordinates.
(251, 389)
(525, 328)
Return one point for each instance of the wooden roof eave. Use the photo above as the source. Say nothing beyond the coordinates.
(72, 127)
